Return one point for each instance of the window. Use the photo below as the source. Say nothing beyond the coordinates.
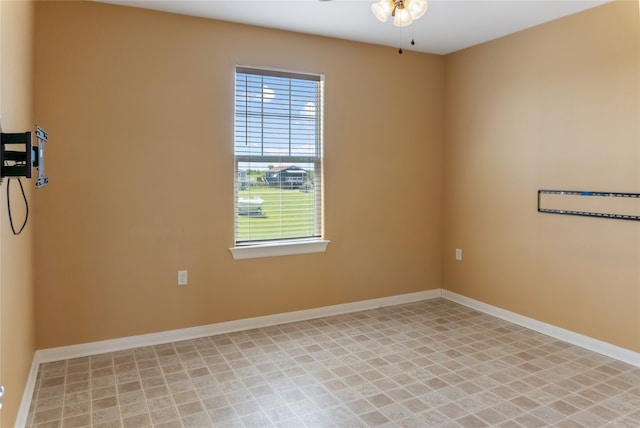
(278, 160)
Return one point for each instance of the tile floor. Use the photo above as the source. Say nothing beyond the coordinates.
(426, 364)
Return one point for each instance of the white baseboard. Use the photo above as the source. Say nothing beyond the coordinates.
(23, 411)
(94, 348)
(577, 339)
(85, 349)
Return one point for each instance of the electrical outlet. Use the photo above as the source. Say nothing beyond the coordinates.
(458, 254)
(182, 277)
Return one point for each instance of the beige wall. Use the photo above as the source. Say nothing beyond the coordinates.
(17, 335)
(138, 107)
(139, 110)
(556, 106)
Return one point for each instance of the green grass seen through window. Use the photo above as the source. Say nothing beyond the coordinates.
(287, 214)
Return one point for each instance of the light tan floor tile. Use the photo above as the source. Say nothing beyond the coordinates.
(425, 364)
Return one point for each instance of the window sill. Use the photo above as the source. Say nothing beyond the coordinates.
(279, 249)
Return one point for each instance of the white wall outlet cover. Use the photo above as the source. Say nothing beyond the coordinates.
(182, 277)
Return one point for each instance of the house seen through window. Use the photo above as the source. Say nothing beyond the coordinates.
(278, 156)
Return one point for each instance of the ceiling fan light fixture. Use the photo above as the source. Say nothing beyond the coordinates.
(417, 8)
(382, 10)
(404, 12)
(402, 18)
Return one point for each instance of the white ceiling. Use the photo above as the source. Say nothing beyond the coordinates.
(448, 25)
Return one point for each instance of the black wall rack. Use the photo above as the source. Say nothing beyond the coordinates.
(18, 155)
(618, 216)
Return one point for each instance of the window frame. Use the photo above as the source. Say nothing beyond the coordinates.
(285, 246)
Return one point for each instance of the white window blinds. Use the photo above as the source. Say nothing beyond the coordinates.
(278, 156)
